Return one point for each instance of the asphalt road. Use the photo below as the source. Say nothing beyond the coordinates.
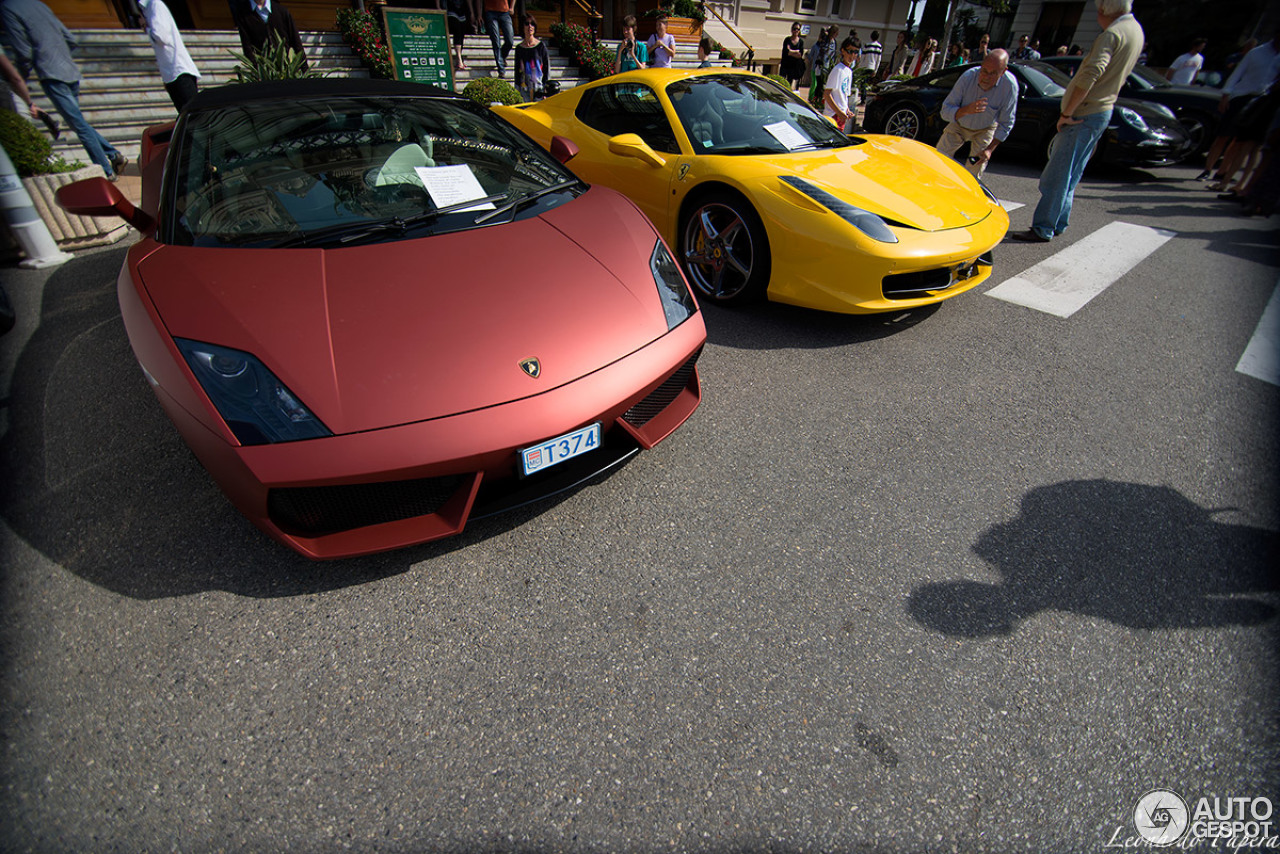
(968, 579)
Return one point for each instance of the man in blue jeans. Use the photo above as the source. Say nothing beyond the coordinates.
(497, 21)
(40, 41)
(1086, 111)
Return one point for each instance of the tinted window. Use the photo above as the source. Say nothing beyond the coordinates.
(1044, 80)
(948, 79)
(628, 108)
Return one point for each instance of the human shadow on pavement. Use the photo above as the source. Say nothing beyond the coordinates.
(96, 478)
(1140, 556)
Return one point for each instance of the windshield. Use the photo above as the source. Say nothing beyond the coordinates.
(1047, 81)
(1145, 78)
(341, 170)
(737, 114)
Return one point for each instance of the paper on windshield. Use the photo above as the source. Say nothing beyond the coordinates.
(452, 185)
(786, 134)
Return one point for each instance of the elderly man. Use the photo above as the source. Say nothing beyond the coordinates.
(1086, 112)
(980, 110)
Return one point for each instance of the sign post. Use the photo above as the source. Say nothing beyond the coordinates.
(419, 43)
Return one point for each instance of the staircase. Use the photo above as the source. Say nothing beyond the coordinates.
(122, 93)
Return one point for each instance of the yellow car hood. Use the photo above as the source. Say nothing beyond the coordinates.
(899, 180)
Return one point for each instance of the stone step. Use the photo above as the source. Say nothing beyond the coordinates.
(122, 93)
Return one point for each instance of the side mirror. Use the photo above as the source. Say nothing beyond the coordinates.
(563, 149)
(99, 197)
(631, 145)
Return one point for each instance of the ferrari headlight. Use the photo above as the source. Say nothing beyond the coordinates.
(677, 302)
(1133, 119)
(865, 221)
(257, 407)
(995, 200)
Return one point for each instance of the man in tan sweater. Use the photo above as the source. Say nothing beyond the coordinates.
(1086, 111)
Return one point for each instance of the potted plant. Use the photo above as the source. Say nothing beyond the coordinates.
(684, 18)
(42, 173)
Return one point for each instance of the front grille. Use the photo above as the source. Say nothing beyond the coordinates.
(921, 282)
(908, 285)
(313, 511)
(660, 398)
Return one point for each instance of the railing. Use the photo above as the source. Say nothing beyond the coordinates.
(593, 16)
(750, 55)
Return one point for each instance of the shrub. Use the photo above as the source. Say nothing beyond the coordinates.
(679, 9)
(30, 152)
(490, 90)
(575, 41)
(275, 61)
(360, 30)
(861, 80)
(780, 80)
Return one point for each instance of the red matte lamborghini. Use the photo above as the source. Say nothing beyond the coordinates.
(374, 310)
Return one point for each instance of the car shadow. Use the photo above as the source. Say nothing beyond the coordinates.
(97, 479)
(774, 326)
(1145, 557)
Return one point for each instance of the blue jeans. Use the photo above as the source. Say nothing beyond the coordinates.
(1072, 151)
(493, 22)
(66, 99)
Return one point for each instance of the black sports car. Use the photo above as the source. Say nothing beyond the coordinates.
(1140, 134)
(1195, 106)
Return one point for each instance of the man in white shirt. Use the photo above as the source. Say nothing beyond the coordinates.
(1186, 67)
(838, 98)
(177, 69)
(871, 54)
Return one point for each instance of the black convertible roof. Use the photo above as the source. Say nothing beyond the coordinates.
(319, 87)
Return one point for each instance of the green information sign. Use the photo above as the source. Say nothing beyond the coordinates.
(419, 42)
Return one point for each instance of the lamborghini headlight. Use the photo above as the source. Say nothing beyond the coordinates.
(257, 407)
(677, 302)
(865, 221)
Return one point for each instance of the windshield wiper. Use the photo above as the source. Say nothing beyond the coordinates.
(823, 143)
(346, 232)
(525, 200)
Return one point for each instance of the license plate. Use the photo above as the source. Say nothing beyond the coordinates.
(559, 449)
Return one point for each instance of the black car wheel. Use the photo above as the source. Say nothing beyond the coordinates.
(1197, 127)
(725, 249)
(904, 121)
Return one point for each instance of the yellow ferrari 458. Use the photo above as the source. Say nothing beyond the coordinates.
(760, 195)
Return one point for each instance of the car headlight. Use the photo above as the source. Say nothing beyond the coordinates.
(673, 291)
(865, 221)
(995, 200)
(257, 407)
(1134, 120)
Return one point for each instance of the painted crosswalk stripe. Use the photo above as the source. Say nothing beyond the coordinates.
(1064, 282)
(1261, 358)
(1010, 207)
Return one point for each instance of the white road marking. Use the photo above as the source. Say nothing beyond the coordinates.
(1261, 358)
(1009, 206)
(1064, 282)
